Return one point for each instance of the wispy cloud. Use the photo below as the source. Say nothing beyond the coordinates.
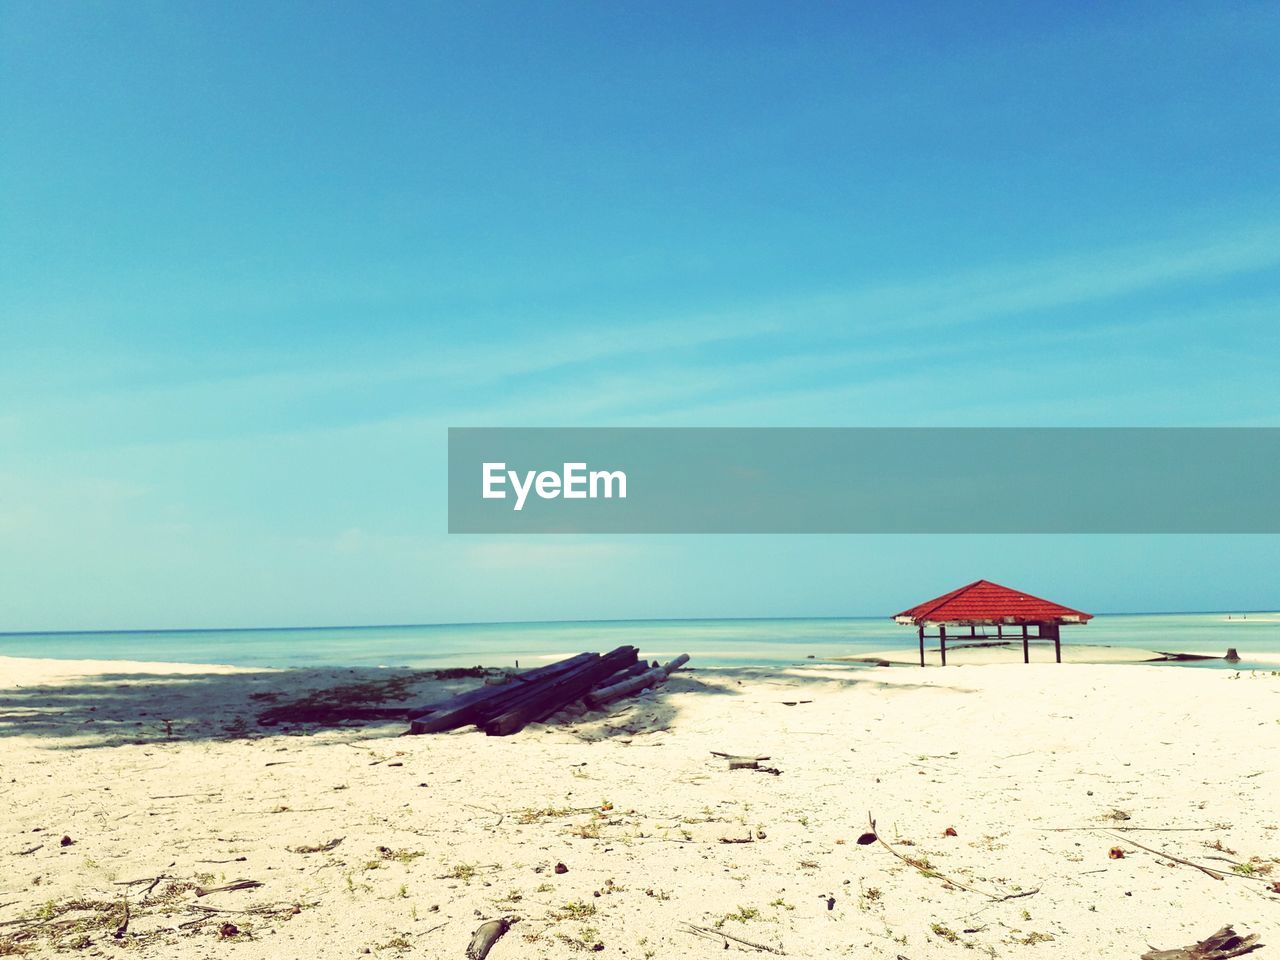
(998, 291)
(808, 354)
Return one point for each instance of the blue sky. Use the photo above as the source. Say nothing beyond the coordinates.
(257, 258)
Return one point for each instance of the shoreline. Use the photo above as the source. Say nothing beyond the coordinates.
(701, 659)
(733, 642)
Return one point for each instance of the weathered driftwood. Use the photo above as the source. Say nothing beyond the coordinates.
(614, 659)
(538, 694)
(486, 935)
(634, 670)
(480, 704)
(604, 695)
(623, 657)
(649, 678)
(517, 679)
(1217, 946)
(597, 667)
(676, 664)
(498, 699)
(541, 702)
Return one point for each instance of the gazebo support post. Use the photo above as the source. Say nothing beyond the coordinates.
(1026, 653)
(921, 632)
(942, 643)
(1057, 643)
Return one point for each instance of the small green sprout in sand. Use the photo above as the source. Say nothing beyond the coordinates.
(1033, 938)
(400, 856)
(742, 915)
(533, 815)
(575, 910)
(946, 933)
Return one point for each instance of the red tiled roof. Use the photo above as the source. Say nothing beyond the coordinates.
(985, 602)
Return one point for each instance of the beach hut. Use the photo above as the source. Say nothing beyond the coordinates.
(985, 604)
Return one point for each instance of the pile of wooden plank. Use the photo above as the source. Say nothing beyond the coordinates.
(535, 695)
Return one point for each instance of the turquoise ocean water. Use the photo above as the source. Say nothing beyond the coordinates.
(711, 642)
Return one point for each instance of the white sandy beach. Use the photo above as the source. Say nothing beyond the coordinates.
(163, 783)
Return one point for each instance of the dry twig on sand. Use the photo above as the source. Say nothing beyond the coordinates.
(928, 871)
(237, 885)
(1145, 829)
(317, 848)
(123, 926)
(152, 883)
(1201, 867)
(709, 934)
(1168, 856)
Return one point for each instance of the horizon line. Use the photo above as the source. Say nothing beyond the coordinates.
(514, 623)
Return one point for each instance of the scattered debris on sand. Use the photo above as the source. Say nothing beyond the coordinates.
(1217, 946)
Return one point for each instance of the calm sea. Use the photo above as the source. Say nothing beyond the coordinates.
(710, 642)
